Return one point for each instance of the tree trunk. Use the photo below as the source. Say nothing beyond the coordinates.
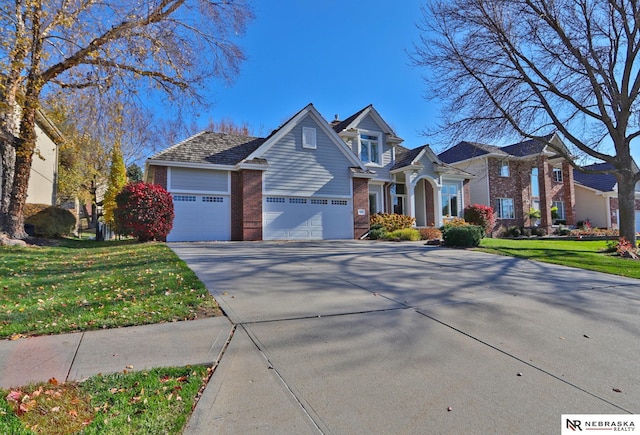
(626, 206)
(7, 160)
(14, 224)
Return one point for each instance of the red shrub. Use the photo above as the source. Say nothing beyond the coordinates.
(144, 211)
(481, 215)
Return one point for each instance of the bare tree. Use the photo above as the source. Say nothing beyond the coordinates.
(111, 49)
(531, 67)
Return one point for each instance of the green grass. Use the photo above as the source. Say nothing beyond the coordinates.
(581, 254)
(158, 401)
(84, 285)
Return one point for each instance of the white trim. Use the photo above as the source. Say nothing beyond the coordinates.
(265, 194)
(379, 140)
(212, 166)
(309, 138)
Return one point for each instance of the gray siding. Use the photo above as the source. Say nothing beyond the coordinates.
(478, 186)
(198, 180)
(382, 173)
(297, 171)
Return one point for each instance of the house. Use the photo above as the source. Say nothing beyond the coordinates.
(309, 179)
(43, 178)
(597, 197)
(518, 179)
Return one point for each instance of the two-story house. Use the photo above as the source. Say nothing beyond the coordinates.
(518, 179)
(309, 179)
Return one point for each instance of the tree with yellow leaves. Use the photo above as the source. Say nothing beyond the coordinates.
(117, 180)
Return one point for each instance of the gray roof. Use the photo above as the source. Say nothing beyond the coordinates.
(212, 148)
(469, 150)
(404, 156)
(341, 125)
(601, 182)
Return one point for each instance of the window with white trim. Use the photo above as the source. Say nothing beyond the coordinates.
(559, 210)
(309, 138)
(370, 148)
(450, 198)
(398, 195)
(504, 208)
(504, 169)
(557, 175)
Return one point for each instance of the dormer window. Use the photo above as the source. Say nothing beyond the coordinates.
(370, 148)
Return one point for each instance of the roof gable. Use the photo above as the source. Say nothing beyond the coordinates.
(354, 120)
(312, 112)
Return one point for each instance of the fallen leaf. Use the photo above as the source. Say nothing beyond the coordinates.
(617, 390)
(55, 409)
(129, 367)
(53, 381)
(449, 409)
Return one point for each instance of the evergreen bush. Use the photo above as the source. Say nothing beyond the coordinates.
(51, 222)
(463, 236)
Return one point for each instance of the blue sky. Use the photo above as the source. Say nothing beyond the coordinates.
(340, 55)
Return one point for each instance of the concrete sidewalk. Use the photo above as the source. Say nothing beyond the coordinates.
(73, 357)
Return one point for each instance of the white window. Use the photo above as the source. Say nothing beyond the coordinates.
(504, 208)
(370, 148)
(309, 138)
(557, 175)
(504, 169)
(398, 193)
(557, 210)
(450, 200)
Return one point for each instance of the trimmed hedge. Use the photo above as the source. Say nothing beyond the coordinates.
(51, 222)
(463, 237)
(411, 234)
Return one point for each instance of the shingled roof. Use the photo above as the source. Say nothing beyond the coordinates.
(469, 150)
(601, 182)
(213, 148)
(339, 126)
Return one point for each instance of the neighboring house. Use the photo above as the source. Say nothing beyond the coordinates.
(597, 197)
(517, 179)
(43, 178)
(307, 180)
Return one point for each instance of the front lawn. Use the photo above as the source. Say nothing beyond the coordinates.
(84, 285)
(575, 253)
(157, 401)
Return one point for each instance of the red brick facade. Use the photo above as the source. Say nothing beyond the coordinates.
(159, 175)
(517, 186)
(360, 202)
(246, 205)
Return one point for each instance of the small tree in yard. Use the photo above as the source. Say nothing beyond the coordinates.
(144, 211)
(481, 215)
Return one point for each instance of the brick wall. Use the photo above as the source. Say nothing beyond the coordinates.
(159, 175)
(569, 193)
(252, 201)
(360, 201)
(246, 205)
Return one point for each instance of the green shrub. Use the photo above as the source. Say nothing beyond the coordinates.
(51, 222)
(463, 236)
(391, 221)
(512, 231)
(411, 234)
(377, 231)
(430, 233)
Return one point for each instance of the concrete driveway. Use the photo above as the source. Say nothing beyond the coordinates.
(357, 337)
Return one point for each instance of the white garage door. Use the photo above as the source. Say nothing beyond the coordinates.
(287, 218)
(200, 218)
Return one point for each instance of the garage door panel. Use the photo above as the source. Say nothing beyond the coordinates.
(200, 218)
(307, 219)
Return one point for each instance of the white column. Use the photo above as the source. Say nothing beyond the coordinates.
(411, 196)
(437, 199)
